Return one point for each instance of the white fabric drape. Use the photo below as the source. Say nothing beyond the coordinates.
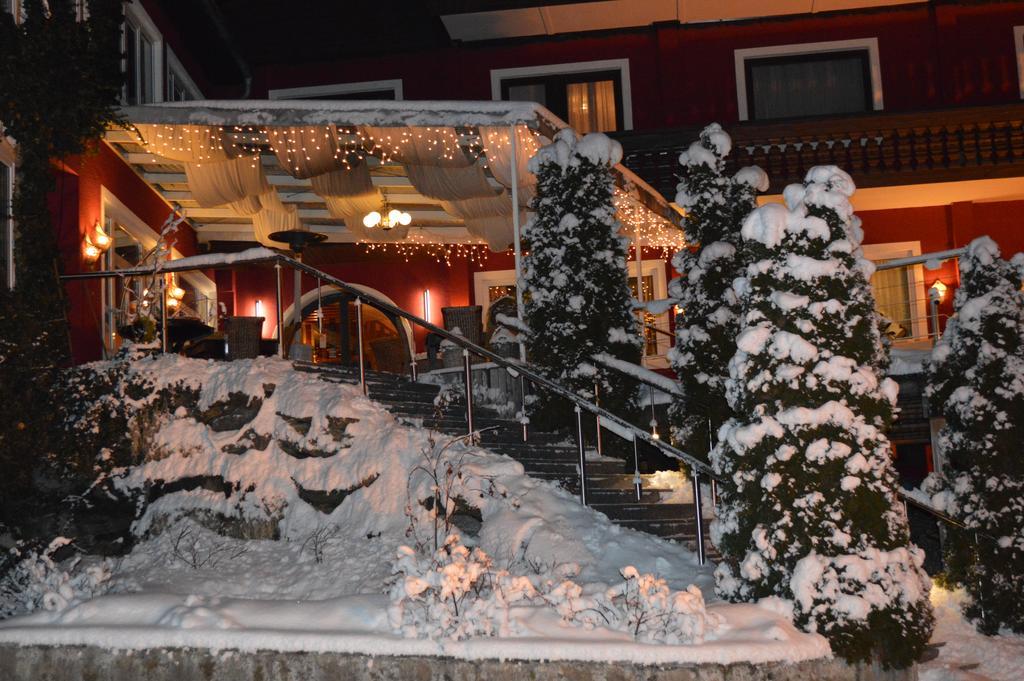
(250, 205)
(305, 151)
(348, 192)
(266, 222)
(498, 147)
(497, 231)
(436, 146)
(188, 143)
(354, 224)
(470, 209)
(215, 184)
(449, 184)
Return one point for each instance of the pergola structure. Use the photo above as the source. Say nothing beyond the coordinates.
(241, 170)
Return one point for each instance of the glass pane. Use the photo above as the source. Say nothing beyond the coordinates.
(808, 86)
(892, 299)
(131, 68)
(531, 92)
(644, 318)
(495, 292)
(146, 70)
(592, 106)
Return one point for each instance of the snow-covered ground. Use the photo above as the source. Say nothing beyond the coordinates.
(966, 655)
(329, 582)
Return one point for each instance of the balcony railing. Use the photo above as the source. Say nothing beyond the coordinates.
(877, 149)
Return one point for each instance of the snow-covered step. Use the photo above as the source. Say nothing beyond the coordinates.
(648, 511)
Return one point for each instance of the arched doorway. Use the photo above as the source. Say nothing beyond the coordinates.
(386, 338)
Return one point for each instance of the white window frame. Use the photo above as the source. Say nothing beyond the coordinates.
(134, 13)
(113, 209)
(175, 66)
(869, 44)
(394, 85)
(915, 280)
(7, 158)
(1018, 44)
(620, 65)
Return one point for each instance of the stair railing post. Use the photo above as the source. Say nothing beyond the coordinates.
(597, 419)
(638, 482)
(280, 312)
(468, 369)
(163, 314)
(583, 455)
(698, 517)
(523, 419)
(359, 343)
(412, 369)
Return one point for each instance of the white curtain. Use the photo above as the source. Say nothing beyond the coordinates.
(188, 143)
(421, 145)
(470, 209)
(250, 205)
(348, 192)
(497, 231)
(266, 222)
(449, 184)
(498, 147)
(592, 106)
(215, 184)
(305, 151)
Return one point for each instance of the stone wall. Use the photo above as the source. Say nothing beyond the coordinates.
(76, 663)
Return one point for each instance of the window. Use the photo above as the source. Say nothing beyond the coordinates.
(6, 224)
(180, 88)
(143, 50)
(589, 96)
(371, 89)
(900, 292)
(1018, 42)
(814, 79)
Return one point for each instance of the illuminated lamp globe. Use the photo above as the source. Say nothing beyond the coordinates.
(371, 219)
(405, 219)
(394, 216)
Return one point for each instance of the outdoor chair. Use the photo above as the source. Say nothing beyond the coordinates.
(468, 318)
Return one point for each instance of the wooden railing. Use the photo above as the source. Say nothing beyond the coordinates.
(877, 149)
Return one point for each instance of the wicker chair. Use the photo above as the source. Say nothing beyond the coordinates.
(390, 355)
(243, 335)
(468, 319)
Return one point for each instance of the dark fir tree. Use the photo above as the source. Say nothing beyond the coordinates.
(578, 301)
(715, 206)
(812, 513)
(60, 79)
(976, 378)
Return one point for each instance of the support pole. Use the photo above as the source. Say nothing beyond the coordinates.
(583, 455)
(597, 419)
(412, 369)
(321, 340)
(638, 482)
(698, 517)
(280, 311)
(523, 419)
(467, 367)
(163, 313)
(638, 244)
(516, 230)
(933, 309)
(359, 342)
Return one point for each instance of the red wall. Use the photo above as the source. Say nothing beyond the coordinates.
(931, 56)
(76, 207)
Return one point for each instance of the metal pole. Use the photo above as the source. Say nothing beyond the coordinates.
(583, 455)
(597, 419)
(638, 244)
(412, 369)
(468, 368)
(522, 417)
(280, 312)
(321, 340)
(638, 483)
(698, 517)
(714, 492)
(163, 313)
(933, 308)
(654, 414)
(297, 302)
(359, 342)
(518, 250)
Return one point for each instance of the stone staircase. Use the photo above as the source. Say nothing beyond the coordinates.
(546, 456)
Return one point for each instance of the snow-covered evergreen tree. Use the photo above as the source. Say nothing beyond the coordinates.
(715, 206)
(578, 301)
(812, 513)
(976, 377)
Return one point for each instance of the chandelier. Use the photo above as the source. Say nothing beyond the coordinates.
(386, 219)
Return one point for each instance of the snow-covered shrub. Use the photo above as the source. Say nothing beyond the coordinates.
(454, 593)
(578, 301)
(806, 455)
(716, 206)
(976, 378)
(36, 580)
(645, 606)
